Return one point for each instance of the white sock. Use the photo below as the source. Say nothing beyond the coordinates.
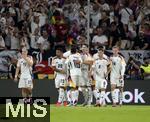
(61, 95)
(76, 95)
(120, 98)
(69, 94)
(113, 95)
(97, 95)
(89, 95)
(102, 97)
(73, 94)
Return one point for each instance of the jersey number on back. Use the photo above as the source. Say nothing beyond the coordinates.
(76, 64)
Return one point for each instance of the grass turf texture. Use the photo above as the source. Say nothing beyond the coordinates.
(125, 113)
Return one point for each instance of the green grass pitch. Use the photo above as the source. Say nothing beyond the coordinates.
(126, 113)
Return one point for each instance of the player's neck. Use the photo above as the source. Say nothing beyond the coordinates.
(59, 57)
(100, 57)
(115, 55)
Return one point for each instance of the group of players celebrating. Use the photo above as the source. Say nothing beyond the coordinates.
(76, 70)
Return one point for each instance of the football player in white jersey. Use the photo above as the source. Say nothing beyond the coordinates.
(74, 62)
(24, 65)
(96, 92)
(117, 75)
(85, 83)
(101, 69)
(59, 66)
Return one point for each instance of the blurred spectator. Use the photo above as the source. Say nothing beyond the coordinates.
(2, 43)
(43, 41)
(125, 13)
(33, 39)
(100, 39)
(15, 43)
(12, 67)
(141, 42)
(115, 35)
(105, 21)
(132, 69)
(44, 25)
(95, 15)
(145, 68)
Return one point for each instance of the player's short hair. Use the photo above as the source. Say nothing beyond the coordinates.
(100, 48)
(115, 47)
(86, 45)
(60, 49)
(73, 49)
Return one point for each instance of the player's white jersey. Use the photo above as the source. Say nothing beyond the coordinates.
(26, 69)
(59, 63)
(118, 63)
(100, 68)
(74, 68)
(67, 54)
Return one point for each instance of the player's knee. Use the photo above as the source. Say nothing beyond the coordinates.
(113, 87)
(102, 89)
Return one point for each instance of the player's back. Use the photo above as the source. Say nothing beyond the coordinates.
(75, 68)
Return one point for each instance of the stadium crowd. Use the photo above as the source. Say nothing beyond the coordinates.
(44, 25)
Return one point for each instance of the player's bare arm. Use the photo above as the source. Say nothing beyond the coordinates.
(88, 62)
(29, 60)
(16, 74)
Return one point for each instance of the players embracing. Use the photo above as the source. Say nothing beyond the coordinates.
(79, 66)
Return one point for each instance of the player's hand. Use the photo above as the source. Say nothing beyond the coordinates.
(121, 77)
(24, 56)
(16, 79)
(77, 62)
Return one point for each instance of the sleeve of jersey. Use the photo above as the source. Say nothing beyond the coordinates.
(53, 62)
(123, 67)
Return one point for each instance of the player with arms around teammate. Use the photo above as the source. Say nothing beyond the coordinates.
(59, 66)
(85, 82)
(74, 65)
(102, 69)
(24, 65)
(117, 75)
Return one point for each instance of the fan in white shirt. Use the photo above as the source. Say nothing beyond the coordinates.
(43, 41)
(2, 43)
(125, 14)
(99, 39)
